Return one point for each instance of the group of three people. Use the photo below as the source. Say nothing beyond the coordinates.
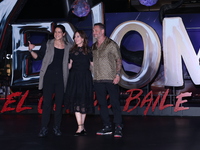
(66, 72)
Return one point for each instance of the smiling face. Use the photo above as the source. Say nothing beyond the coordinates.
(58, 34)
(78, 39)
(97, 32)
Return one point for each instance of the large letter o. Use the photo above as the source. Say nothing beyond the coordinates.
(152, 53)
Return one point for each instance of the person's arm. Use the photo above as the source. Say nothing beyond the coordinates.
(92, 67)
(40, 53)
(30, 48)
(118, 68)
(70, 64)
(91, 64)
(91, 61)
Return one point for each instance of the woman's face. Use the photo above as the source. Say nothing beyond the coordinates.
(58, 34)
(78, 39)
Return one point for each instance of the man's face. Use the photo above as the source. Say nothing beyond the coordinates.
(97, 32)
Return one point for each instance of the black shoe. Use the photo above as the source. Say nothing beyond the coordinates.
(107, 130)
(82, 133)
(43, 132)
(118, 131)
(57, 131)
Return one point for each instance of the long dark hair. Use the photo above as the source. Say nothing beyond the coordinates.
(85, 42)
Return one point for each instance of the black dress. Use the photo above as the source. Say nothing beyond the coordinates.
(79, 92)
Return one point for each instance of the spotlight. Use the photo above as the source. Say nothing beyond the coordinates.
(148, 2)
(80, 8)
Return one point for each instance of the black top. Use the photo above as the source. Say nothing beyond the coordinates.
(57, 62)
(81, 61)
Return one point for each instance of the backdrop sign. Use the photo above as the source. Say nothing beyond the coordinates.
(160, 61)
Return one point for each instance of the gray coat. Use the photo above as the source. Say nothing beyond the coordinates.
(48, 58)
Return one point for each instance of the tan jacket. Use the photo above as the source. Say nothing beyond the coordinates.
(48, 58)
(105, 60)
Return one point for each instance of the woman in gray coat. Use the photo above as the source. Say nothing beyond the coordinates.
(53, 76)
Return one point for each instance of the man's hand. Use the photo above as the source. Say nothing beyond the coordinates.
(116, 79)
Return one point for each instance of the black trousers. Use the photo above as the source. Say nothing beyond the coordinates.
(102, 89)
(53, 84)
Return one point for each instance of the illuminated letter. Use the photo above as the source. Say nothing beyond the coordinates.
(179, 101)
(20, 49)
(177, 45)
(19, 107)
(70, 30)
(162, 106)
(9, 101)
(97, 13)
(130, 98)
(145, 100)
(40, 105)
(152, 53)
(6, 7)
(155, 103)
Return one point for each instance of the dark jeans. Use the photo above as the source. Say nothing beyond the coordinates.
(53, 84)
(101, 89)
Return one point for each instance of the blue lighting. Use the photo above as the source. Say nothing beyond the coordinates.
(80, 8)
(148, 2)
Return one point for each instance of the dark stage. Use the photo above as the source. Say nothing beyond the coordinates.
(19, 132)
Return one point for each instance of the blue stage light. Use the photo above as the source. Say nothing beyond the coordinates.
(80, 8)
(148, 2)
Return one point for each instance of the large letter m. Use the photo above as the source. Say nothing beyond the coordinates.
(177, 47)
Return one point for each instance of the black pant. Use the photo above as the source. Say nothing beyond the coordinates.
(53, 84)
(101, 90)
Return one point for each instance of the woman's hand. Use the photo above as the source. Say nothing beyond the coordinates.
(70, 64)
(30, 46)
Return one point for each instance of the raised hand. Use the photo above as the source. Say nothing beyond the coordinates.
(30, 46)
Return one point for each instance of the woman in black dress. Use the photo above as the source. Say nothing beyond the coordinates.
(79, 93)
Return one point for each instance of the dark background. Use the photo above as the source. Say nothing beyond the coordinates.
(44, 9)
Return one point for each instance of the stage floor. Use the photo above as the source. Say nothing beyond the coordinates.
(19, 132)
